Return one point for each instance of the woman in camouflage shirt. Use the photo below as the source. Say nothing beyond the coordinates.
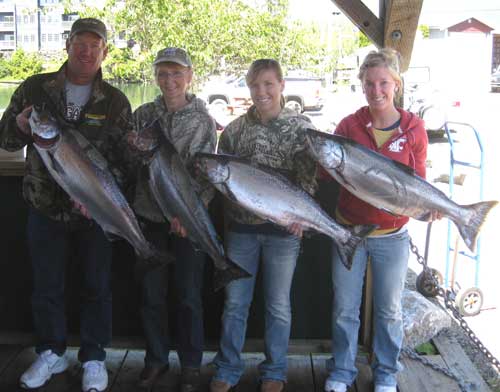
(272, 135)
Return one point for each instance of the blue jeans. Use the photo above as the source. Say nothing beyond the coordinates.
(279, 257)
(389, 261)
(51, 244)
(188, 280)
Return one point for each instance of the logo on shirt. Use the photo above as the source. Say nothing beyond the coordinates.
(397, 145)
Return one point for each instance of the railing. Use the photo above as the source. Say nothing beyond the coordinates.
(7, 26)
(7, 45)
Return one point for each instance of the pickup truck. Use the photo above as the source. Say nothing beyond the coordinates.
(301, 94)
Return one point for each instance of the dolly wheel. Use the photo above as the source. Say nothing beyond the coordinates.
(469, 301)
(425, 285)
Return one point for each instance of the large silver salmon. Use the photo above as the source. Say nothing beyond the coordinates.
(174, 191)
(391, 185)
(83, 173)
(273, 197)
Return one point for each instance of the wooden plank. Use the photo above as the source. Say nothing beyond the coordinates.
(249, 380)
(128, 375)
(364, 19)
(459, 363)
(400, 26)
(7, 354)
(419, 377)
(363, 381)
(367, 309)
(300, 373)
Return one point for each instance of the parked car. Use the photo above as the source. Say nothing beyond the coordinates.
(495, 80)
(301, 93)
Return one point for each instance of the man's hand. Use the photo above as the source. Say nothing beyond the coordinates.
(177, 228)
(22, 120)
(295, 229)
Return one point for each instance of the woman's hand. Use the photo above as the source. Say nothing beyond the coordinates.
(177, 228)
(82, 209)
(295, 229)
(435, 215)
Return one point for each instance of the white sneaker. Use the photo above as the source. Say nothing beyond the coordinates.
(385, 388)
(42, 369)
(95, 376)
(335, 386)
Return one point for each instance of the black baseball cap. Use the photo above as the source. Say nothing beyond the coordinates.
(90, 25)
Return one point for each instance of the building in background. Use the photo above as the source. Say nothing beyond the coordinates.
(37, 25)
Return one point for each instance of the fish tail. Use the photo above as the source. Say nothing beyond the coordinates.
(224, 276)
(347, 249)
(470, 230)
(154, 257)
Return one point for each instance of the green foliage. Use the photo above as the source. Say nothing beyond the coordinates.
(4, 71)
(426, 349)
(424, 29)
(22, 64)
(363, 40)
(121, 65)
(222, 36)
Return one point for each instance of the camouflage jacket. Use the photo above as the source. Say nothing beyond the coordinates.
(105, 119)
(280, 144)
(190, 130)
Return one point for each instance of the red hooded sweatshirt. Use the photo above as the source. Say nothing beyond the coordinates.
(407, 145)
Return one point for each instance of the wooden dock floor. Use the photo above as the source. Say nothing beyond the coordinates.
(307, 372)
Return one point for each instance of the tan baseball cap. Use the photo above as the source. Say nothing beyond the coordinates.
(173, 55)
(90, 25)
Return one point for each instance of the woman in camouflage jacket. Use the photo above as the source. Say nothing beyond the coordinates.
(272, 135)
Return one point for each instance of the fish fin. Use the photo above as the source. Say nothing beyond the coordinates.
(347, 249)
(470, 230)
(425, 216)
(156, 257)
(391, 213)
(230, 195)
(404, 167)
(223, 276)
(112, 236)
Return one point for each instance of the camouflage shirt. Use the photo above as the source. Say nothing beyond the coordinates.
(280, 144)
(103, 122)
(191, 130)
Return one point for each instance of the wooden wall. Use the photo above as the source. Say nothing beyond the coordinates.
(311, 293)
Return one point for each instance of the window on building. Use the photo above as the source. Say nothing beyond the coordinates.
(44, 37)
(26, 39)
(50, 37)
(56, 37)
(32, 37)
(42, 18)
(19, 20)
(32, 19)
(25, 19)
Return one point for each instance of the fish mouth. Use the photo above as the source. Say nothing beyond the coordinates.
(45, 143)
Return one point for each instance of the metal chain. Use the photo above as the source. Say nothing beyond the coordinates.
(449, 302)
(412, 354)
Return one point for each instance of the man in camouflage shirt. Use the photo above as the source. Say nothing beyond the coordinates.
(78, 98)
(185, 122)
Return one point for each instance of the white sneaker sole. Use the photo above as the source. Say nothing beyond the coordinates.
(60, 368)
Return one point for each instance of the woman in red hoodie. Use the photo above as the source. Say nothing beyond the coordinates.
(401, 136)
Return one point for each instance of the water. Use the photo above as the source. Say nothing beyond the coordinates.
(137, 93)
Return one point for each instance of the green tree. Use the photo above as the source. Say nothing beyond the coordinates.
(22, 64)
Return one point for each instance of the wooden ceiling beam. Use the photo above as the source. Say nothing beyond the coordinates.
(364, 19)
(395, 29)
(400, 26)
